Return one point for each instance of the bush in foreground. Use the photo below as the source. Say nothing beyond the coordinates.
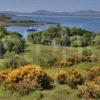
(28, 78)
(91, 86)
(92, 74)
(3, 75)
(89, 90)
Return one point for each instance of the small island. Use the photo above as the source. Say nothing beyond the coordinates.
(7, 21)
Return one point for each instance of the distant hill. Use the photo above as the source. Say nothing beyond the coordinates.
(7, 13)
(76, 13)
(91, 13)
(85, 13)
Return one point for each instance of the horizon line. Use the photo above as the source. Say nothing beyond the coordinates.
(48, 10)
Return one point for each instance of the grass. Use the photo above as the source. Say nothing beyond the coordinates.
(37, 51)
(60, 92)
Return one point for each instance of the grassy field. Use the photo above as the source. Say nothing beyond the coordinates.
(35, 52)
(59, 92)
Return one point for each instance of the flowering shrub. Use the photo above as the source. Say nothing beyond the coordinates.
(3, 75)
(89, 90)
(61, 77)
(91, 86)
(27, 78)
(97, 80)
(75, 60)
(63, 63)
(72, 77)
(92, 73)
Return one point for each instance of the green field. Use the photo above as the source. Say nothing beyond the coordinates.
(34, 52)
(58, 92)
(59, 63)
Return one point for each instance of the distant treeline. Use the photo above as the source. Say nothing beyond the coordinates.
(64, 36)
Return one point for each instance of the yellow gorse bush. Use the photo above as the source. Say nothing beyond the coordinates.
(89, 90)
(27, 78)
(61, 77)
(92, 73)
(74, 77)
(3, 75)
(71, 76)
(91, 86)
(75, 60)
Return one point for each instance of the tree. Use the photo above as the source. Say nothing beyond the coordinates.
(86, 39)
(97, 40)
(2, 50)
(3, 32)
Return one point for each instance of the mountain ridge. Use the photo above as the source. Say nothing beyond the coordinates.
(54, 13)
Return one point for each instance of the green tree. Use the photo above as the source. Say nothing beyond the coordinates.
(86, 39)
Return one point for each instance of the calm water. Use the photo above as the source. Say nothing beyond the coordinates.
(89, 23)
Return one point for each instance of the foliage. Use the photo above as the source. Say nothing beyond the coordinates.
(75, 60)
(91, 86)
(3, 32)
(48, 61)
(61, 77)
(61, 36)
(28, 78)
(72, 77)
(13, 60)
(97, 40)
(2, 49)
(92, 74)
(89, 90)
(86, 39)
(3, 75)
(76, 43)
(86, 52)
(11, 41)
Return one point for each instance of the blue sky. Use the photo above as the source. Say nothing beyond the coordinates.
(52, 5)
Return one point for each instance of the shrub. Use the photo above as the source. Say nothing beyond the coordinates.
(74, 77)
(75, 60)
(61, 77)
(92, 73)
(97, 80)
(48, 61)
(86, 52)
(97, 40)
(76, 43)
(63, 63)
(89, 90)
(28, 78)
(14, 60)
(3, 75)
(86, 39)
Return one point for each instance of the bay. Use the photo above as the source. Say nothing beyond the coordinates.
(89, 23)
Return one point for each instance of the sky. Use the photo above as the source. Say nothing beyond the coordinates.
(51, 5)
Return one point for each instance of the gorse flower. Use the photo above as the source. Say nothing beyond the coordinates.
(71, 76)
(27, 78)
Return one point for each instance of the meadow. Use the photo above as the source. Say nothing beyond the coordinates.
(37, 69)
